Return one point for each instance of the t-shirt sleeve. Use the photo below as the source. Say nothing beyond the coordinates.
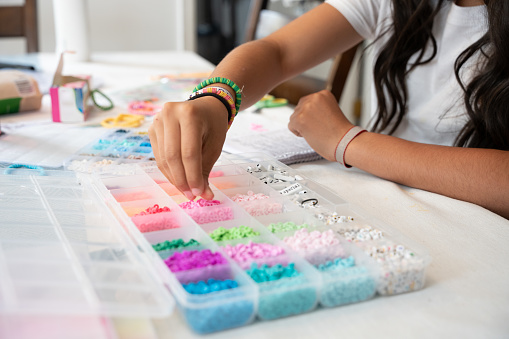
(363, 15)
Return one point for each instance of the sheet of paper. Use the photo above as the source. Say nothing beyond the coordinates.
(252, 132)
(45, 144)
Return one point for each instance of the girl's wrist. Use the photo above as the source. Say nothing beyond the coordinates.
(354, 148)
(348, 136)
(213, 106)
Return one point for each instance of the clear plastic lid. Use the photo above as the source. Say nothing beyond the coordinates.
(62, 251)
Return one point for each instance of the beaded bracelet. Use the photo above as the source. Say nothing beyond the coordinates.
(222, 89)
(228, 82)
(223, 95)
(13, 167)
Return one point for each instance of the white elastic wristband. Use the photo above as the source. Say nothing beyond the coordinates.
(344, 142)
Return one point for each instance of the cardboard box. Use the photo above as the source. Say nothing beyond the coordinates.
(69, 96)
(18, 92)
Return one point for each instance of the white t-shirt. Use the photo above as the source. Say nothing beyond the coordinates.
(436, 111)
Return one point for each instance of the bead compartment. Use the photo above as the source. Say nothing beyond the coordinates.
(327, 288)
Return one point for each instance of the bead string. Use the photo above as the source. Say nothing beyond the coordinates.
(12, 167)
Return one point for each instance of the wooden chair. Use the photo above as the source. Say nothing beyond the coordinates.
(302, 85)
(20, 21)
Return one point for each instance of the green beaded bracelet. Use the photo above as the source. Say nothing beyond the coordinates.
(228, 82)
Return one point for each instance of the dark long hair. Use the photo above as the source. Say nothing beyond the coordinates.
(486, 97)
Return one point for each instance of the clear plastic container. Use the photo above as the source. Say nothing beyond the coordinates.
(242, 220)
(288, 296)
(64, 252)
(213, 311)
(225, 210)
(138, 193)
(234, 181)
(347, 272)
(401, 261)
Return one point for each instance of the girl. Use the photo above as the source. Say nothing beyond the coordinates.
(441, 97)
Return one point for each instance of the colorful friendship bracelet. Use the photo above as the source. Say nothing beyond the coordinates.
(220, 94)
(222, 89)
(228, 82)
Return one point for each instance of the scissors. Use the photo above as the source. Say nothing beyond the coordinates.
(269, 101)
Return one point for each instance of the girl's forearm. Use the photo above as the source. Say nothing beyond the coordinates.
(255, 67)
(259, 66)
(480, 176)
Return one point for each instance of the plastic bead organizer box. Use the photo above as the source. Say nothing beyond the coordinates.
(271, 244)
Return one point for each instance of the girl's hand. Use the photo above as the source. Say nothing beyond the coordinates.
(321, 122)
(187, 138)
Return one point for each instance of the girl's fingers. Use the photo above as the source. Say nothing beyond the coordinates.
(191, 153)
(172, 156)
(156, 135)
(207, 192)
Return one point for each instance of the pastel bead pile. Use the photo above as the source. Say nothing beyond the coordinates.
(211, 285)
(203, 272)
(153, 210)
(196, 265)
(336, 264)
(244, 253)
(284, 291)
(204, 216)
(187, 260)
(250, 196)
(219, 314)
(155, 219)
(285, 227)
(127, 144)
(266, 273)
(330, 218)
(361, 234)
(402, 270)
(199, 203)
(222, 234)
(259, 208)
(87, 166)
(257, 204)
(174, 244)
(134, 137)
(346, 284)
(304, 240)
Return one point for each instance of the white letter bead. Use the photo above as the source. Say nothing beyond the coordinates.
(283, 177)
(291, 189)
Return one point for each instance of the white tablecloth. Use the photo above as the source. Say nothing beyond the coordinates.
(467, 289)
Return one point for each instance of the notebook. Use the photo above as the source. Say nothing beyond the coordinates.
(253, 132)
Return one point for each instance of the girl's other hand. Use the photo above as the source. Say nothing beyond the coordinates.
(187, 138)
(321, 122)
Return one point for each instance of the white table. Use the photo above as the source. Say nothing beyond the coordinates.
(467, 289)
